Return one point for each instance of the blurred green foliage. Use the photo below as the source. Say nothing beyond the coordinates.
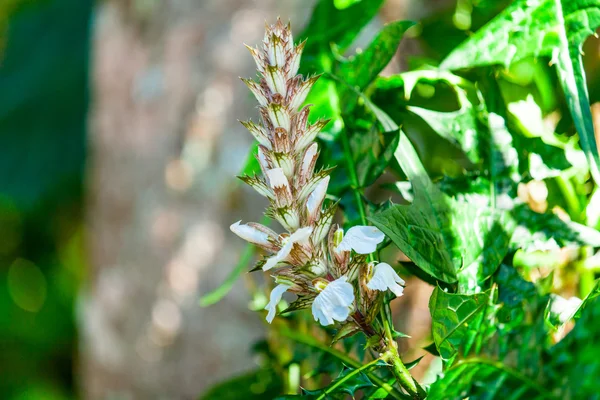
(43, 105)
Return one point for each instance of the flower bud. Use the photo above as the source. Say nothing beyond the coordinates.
(280, 186)
(323, 224)
(298, 96)
(257, 91)
(317, 268)
(259, 133)
(275, 80)
(309, 159)
(315, 199)
(279, 116)
(276, 51)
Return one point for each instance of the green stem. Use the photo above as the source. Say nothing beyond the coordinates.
(568, 191)
(391, 355)
(354, 181)
(399, 369)
(587, 278)
(353, 177)
(221, 291)
(348, 376)
(310, 341)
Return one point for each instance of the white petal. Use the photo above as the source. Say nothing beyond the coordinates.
(300, 236)
(308, 161)
(277, 178)
(250, 233)
(262, 160)
(316, 197)
(361, 239)
(384, 278)
(334, 302)
(274, 299)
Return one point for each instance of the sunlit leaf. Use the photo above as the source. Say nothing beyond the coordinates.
(551, 28)
(459, 127)
(362, 68)
(452, 315)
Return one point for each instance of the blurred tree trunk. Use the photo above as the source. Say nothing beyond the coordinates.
(165, 145)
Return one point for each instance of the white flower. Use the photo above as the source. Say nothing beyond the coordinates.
(250, 234)
(384, 278)
(334, 302)
(300, 236)
(274, 299)
(313, 204)
(361, 239)
(564, 309)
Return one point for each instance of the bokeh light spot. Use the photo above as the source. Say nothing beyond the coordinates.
(26, 285)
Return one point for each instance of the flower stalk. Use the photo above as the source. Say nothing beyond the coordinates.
(330, 271)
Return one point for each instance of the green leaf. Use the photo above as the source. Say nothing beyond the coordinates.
(349, 381)
(527, 28)
(572, 78)
(551, 28)
(251, 166)
(545, 155)
(590, 298)
(437, 233)
(447, 239)
(480, 378)
(221, 291)
(408, 80)
(346, 330)
(363, 67)
(460, 127)
(573, 363)
(452, 315)
(329, 24)
(373, 151)
(538, 231)
(347, 360)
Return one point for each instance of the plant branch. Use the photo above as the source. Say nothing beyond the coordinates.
(310, 341)
(348, 376)
(398, 368)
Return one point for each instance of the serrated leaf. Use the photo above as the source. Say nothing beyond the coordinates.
(346, 330)
(349, 381)
(330, 24)
(427, 231)
(373, 152)
(482, 378)
(451, 316)
(362, 68)
(411, 364)
(535, 230)
(527, 28)
(532, 28)
(459, 127)
(447, 239)
(408, 80)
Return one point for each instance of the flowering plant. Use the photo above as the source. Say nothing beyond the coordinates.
(483, 237)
